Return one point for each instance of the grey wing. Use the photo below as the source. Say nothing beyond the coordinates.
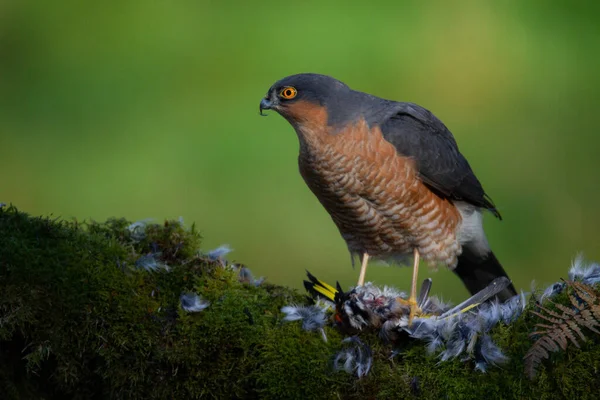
(417, 133)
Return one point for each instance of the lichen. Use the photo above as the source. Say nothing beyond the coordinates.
(79, 319)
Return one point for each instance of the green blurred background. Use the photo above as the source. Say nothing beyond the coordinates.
(150, 109)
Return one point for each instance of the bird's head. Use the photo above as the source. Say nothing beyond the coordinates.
(305, 97)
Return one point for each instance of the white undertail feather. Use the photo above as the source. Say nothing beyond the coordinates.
(470, 233)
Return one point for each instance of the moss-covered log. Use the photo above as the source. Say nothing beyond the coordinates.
(80, 317)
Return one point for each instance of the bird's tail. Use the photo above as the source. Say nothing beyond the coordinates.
(319, 289)
(478, 272)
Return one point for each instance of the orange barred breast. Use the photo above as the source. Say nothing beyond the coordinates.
(374, 195)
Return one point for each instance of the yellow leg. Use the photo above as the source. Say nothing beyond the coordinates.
(413, 289)
(363, 270)
(412, 300)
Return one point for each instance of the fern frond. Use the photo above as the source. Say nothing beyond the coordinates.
(564, 324)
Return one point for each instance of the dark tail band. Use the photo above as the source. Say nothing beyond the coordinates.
(477, 272)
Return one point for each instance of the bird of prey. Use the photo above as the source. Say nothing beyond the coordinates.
(391, 177)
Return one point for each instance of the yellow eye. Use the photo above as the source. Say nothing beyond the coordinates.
(288, 93)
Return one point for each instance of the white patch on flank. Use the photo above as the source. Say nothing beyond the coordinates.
(470, 233)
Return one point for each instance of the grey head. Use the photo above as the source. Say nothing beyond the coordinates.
(343, 104)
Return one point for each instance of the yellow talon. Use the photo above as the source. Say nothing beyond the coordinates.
(414, 308)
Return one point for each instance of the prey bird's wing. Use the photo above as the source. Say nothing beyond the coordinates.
(424, 292)
(415, 132)
(495, 287)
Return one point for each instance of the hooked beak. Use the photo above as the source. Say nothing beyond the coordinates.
(265, 104)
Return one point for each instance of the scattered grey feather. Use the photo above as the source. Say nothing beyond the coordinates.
(447, 326)
(393, 354)
(323, 334)
(428, 330)
(588, 274)
(455, 345)
(245, 276)
(191, 302)
(149, 262)
(219, 253)
(389, 330)
(423, 328)
(513, 308)
(553, 290)
(389, 291)
(357, 358)
(313, 317)
(470, 330)
(137, 230)
(481, 366)
(489, 315)
(488, 353)
(434, 344)
(415, 387)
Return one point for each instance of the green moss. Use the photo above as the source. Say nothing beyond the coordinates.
(78, 319)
